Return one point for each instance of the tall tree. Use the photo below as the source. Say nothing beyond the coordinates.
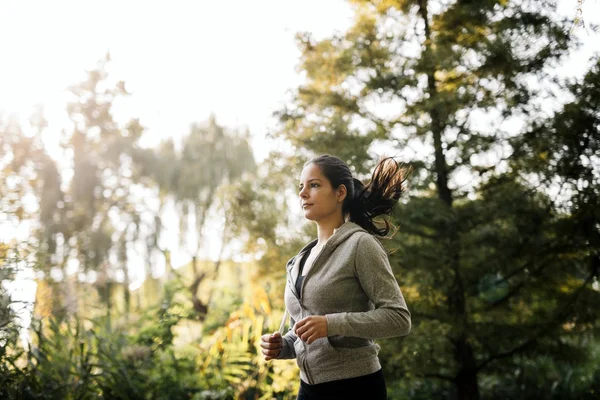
(30, 191)
(420, 77)
(105, 211)
(210, 156)
(88, 219)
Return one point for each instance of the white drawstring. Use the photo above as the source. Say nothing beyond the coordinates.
(283, 322)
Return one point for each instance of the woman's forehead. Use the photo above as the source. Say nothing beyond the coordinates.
(311, 171)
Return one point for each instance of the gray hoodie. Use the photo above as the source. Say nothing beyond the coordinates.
(351, 283)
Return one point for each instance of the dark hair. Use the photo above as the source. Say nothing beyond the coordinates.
(365, 203)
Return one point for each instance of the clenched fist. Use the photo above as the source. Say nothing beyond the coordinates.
(311, 328)
(271, 345)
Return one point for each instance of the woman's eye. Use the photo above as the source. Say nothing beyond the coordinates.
(312, 185)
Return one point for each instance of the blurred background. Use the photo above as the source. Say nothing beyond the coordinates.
(150, 154)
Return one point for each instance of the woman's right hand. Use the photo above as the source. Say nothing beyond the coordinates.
(271, 345)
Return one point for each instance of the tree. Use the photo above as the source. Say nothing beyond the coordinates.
(210, 156)
(88, 219)
(420, 76)
(562, 152)
(30, 186)
(258, 215)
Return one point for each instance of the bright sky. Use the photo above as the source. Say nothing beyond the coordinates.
(181, 60)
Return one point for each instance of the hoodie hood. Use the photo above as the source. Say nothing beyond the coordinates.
(340, 234)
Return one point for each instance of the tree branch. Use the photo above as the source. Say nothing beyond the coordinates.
(438, 376)
(199, 306)
(542, 331)
(517, 288)
(509, 353)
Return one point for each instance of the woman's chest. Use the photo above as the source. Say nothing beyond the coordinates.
(330, 287)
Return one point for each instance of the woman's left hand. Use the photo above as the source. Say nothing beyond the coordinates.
(311, 328)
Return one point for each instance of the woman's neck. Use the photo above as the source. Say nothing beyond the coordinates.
(325, 229)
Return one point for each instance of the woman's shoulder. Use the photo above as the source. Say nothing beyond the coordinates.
(367, 242)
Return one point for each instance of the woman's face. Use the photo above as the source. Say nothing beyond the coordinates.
(318, 199)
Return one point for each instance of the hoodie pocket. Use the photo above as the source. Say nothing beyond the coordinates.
(329, 346)
(322, 354)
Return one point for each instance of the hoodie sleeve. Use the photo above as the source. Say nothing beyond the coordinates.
(290, 337)
(288, 351)
(391, 316)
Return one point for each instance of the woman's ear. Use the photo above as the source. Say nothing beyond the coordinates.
(342, 193)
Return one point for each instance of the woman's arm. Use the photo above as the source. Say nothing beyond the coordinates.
(391, 316)
(288, 351)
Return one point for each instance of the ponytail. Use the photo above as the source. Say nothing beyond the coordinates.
(371, 205)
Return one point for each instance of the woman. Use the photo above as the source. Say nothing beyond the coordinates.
(341, 293)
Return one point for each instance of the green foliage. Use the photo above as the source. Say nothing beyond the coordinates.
(145, 356)
(82, 359)
(87, 359)
(519, 280)
(211, 156)
(9, 330)
(258, 215)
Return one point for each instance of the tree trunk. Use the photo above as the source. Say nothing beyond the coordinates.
(437, 121)
(200, 307)
(466, 379)
(200, 211)
(126, 292)
(108, 289)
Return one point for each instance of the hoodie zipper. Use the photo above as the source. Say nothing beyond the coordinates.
(295, 293)
(312, 269)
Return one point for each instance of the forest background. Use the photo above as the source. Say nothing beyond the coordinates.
(145, 262)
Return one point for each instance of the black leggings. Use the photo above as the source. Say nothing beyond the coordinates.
(368, 387)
